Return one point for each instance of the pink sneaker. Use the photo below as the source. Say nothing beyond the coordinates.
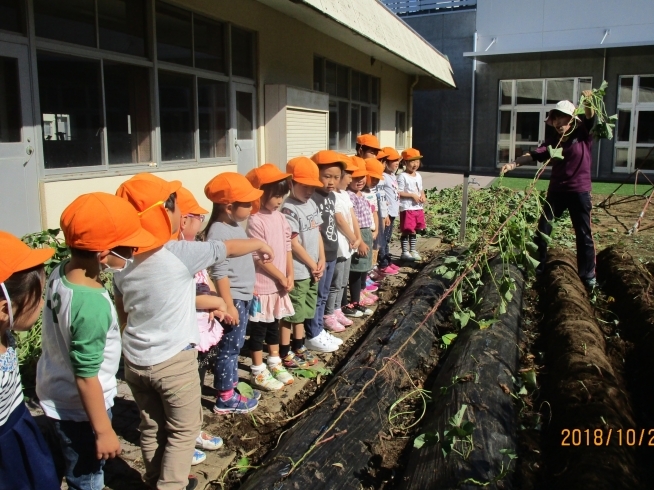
(331, 323)
(373, 297)
(372, 288)
(395, 267)
(365, 300)
(389, 271)
(377, 275)
(342, 319)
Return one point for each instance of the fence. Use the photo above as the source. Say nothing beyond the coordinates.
(411, 7)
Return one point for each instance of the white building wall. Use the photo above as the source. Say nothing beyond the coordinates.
(520, 26)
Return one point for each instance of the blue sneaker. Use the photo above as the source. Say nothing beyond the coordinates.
(256, 394)
(236, 404)
(198, 457)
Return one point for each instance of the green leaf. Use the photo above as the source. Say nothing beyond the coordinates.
(546, 238)
(243, 464)
(603, 87)
(529, 379)
(447, 339)
(426, 439)
(464, 318)
(322, 371)
(457, 418)
(532, 247)
(451, 260)
(245, 390)
(304, 373)
(449, 275)
(555, 152)
(509, 452)
(484, 324)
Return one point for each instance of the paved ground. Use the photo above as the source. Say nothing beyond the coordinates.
(443, 180)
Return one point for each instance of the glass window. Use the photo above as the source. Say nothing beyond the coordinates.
(342, 84)
(645, 131)
(527, 126)
(242, 53)
(331, 78)
(626, 89)
(122, 26)
(560, 90)
(624, 126)
(365, 120)
(503, 154)
(343, 134)
(529, 92)
(621, 157)
(365, 88)
(356, 85)
(176, 116)
(354, 125)
(374, 90)
(127, 104)
(174, 35)
(375, 125)
(71, 107)
(506, 92)
(333, 126)
(72, 21)
(209, 44)
(645, 158)
(244, 116)
(585, 84)
(10, 118)
(12, 15)
(646, 90)
(213, 118)
(318, 71)
(505, 125)
(400, 129)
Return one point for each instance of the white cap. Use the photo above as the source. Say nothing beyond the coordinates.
(565, 107)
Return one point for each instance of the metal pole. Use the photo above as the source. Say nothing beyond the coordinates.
(464, 207)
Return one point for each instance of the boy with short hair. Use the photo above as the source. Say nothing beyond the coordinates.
(76, 374)
(155, 298)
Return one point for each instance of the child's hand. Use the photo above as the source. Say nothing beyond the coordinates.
(266, 253)
(107, 445)
(290, 284)
(422, 198)
(355, 244)
(374, 234)
(363, 249)
(219, 312)
(387, 221)
(231, 315)
(416, 197)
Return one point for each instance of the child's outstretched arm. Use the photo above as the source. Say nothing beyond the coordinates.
(224, 291)
(106, 441)
(236, 248)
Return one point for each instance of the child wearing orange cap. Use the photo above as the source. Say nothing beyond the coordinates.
(273, 280)
(412, 198)
(367, 146)
(233, 197)
(210, 308)
(25, 459)
(76, 374)
(305, 219)
(155, 299)
(362, 258)
(391, 163)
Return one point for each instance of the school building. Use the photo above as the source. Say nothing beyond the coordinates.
(95, 91)
(514, 59)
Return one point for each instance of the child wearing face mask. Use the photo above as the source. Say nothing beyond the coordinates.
(25, 460)
(76, 374)
(232, 196)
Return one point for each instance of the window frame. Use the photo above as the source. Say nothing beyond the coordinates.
(400, 145)
(514, 108)
(634, 107)
(151, 62)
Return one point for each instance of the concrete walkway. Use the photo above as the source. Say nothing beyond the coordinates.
(445, 180)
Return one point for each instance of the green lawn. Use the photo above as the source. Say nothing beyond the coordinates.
(598, 187)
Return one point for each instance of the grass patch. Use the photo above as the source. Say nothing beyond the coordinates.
(606, 188)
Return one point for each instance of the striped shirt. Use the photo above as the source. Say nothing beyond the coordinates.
(11, 393)
(361, 210)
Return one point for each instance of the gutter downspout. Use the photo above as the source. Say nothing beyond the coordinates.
(472, 105)
(410, 142)
(599, 143)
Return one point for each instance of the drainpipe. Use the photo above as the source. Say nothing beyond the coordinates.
(472, 104)
(415, 82)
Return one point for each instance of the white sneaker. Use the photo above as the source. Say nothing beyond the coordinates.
(321, 343)
(198, 457)
(406, 256)
(280, 373)
(416, 255)
(265, 381)
(333, 339)
(210, 443)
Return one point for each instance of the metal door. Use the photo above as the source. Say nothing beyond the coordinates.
(19, 196)
(245, 127)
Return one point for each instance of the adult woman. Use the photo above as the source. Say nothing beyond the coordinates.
(570, 183)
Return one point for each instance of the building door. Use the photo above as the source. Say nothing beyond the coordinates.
(19, 196)
(246, 131)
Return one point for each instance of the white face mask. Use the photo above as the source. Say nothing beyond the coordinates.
(107, 268)
(9, 307)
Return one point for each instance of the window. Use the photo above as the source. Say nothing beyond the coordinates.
(242, 53)
(176, 116)
(400, 129)
(353, 102)
(523, 107)
(72, 21)
(122, 26)
(634, 145)
(10, 117)
(209, 42)
(212, 118)
(174, 35)
(12, 16)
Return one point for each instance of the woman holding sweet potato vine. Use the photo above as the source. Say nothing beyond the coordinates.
(570, 183)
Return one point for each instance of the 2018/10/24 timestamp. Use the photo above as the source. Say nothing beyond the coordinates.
(604, 437)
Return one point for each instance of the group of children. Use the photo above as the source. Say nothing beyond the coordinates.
(182, 305)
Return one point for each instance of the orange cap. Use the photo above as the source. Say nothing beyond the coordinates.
(266, 174)
(375, 168)
(411, 154)
(230, 187)
(391, 153)
(360, 163)
(327, 157)
(188, 204)
(304, 171)
(16, 256)
(148, 193)
(99, 221)
(381, 154)
(369, 140)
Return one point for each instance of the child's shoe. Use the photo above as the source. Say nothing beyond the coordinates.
(395, 267)
(416, 256)
(342, 319)
(291, 361)
(365, 301)
(370, 296)
(281, 374)
(389, 271)
(307, 356)
(333, 339)
(256, 394)
(371, 287)
(321, 343)
(266, 381)
(407, 256)
(236, 404)
(198, 457)
(351, 311)
(331, 323)
(208, 442)
(376, 275)
(362, 309)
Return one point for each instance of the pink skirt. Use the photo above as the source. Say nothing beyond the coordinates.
(210, 333)
(273, 307)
